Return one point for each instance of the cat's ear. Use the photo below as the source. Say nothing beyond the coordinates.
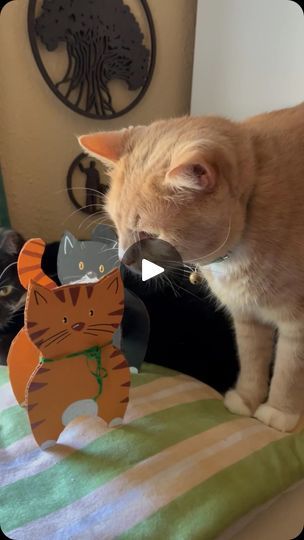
(192, 173)
(107, 146)
(10, 241)
(104, 234)
(67, 243)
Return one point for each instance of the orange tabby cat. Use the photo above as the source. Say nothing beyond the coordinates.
(213, 187)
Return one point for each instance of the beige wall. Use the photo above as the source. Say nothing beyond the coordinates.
(38, 132)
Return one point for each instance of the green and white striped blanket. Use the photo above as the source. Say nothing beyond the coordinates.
(180, 468)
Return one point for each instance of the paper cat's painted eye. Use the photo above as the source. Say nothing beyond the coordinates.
(81, 265)
(65, 320)
(5, 291)
(91, 312)
(101, 269)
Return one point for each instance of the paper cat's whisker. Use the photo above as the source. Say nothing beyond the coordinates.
(101, 330)
(90, 334)
(7, 268)
(46, 344)
(63, 338)
(68, 278)
(56, 333)
(54, 337)
(95, 326)
(100, 324)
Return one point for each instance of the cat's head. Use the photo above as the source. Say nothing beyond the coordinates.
(87, 261)
(12, 294)
(180, 180)
(72, 318)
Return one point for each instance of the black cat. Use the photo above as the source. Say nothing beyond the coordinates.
(12, 294)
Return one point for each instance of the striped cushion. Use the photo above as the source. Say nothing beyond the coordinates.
(182, 467)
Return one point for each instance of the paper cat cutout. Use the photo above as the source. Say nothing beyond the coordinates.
(23, 356)
(132, 335)
(80, 372)
(86, 261)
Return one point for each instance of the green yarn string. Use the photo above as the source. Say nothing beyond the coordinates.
(93, 354)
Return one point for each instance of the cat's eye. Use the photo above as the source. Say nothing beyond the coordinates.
(65, 320)
(91, 312)
(5, 291)
(81, 265)
(101, 269)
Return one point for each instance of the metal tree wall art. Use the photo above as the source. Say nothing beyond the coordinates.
(102, 42)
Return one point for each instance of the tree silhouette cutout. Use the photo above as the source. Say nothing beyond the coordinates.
(103, 42)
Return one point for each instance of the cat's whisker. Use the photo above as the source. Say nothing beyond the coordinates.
(7, 268)
(90, 216)
(114, 258)
(214, 252)
(109, 249)
(109, 239)
(82, 189)
(166, 278)
(90, 334)
(80, 210)
(189, 292)
(103, 219)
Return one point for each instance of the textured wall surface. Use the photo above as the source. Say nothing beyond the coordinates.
(38, 132)
(248, 57)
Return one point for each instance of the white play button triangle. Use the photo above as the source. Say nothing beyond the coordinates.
(150, 270)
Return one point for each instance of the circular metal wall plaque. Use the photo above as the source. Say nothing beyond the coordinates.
(87, 184)
(104, 58)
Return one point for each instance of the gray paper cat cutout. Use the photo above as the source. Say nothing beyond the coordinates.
(87, 261)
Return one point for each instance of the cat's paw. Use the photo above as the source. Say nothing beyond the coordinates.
(279, 420)
(235, 403)
(115, 422)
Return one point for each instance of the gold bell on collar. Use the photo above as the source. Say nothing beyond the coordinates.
(196, 278)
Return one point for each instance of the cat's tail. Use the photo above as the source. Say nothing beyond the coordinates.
(29, 264)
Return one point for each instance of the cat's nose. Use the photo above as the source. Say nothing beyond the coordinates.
(78, 326)
(91, 275)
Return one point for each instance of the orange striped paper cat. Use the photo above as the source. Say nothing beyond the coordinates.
(80, 372)
(23, 355)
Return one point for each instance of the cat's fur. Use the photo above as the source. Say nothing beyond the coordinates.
(212, 187)
(12, 294)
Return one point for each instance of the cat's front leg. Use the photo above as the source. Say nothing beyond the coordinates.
(255, 346)
(286, 397)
